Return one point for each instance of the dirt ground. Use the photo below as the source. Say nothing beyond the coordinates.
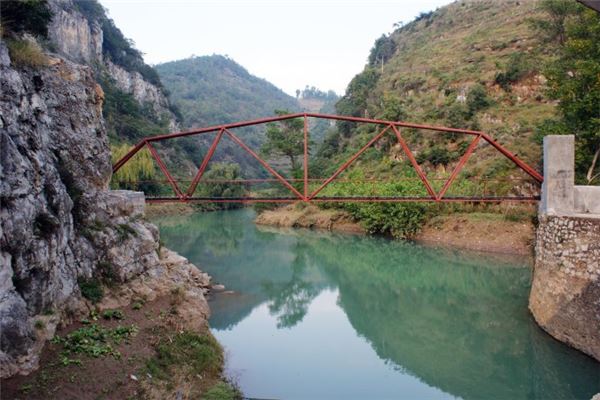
(480, 232)
(96, 378)
(487, 232)
(309, 216)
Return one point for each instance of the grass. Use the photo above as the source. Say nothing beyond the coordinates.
(221, 391)
(199, 354)
(25, 53)
(95, 340)
(195, 356)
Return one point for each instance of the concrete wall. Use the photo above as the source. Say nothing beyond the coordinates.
(587, 199)
(565, 292)
(560, 195)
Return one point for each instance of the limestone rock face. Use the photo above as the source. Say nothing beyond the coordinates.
(73, 35)
(58, 221)
(141, 90)
(80, 39)
(565, 293)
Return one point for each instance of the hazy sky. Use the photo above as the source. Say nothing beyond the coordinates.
(290, 43)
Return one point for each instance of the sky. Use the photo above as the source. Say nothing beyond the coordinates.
(290, 43)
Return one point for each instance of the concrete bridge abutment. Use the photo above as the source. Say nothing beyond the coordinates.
(565, 292)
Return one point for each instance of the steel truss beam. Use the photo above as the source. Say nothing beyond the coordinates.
(394, 126)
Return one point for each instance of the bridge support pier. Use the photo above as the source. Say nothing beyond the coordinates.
(565, 292)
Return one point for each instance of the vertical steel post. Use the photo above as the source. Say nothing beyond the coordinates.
(305, 158)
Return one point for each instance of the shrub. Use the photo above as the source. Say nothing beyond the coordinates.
(477, 99)
(113, 314)
(24, 53)
(436, 155)
(95, 341)
(91, 289)
(518, 67)
(400, 220)
(221, 171)
(222, 391)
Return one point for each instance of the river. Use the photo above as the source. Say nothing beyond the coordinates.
(318, 315)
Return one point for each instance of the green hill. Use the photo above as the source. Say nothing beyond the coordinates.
(495, 66)
(212, 90)
(479, 64)
(471, 64)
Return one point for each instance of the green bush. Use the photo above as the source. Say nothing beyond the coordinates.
(95, 341)
(400, 220)
(222, 391)
(91, 289)
(477, 99)
(221, 171)
(436, 155)
(517, 68)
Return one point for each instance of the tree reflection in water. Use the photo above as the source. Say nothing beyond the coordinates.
(456, 321)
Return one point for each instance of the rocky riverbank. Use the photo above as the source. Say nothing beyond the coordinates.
(155, 314)
(477, 231)
(90, 305)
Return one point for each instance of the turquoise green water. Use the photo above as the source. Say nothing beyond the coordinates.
(325, 316)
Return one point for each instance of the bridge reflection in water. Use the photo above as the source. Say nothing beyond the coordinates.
(457, 322)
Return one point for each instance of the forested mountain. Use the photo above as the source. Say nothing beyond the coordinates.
(212, 90)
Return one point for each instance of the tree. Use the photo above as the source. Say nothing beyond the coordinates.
(32, 16)
(553, 26)
(217, 182)
(285, 138)
(383, 49)
(574, 80)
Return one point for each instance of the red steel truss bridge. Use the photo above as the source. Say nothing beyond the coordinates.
(307, 189)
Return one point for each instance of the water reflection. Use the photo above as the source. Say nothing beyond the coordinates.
(455, 321)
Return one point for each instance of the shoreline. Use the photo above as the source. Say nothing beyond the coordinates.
(475, 232)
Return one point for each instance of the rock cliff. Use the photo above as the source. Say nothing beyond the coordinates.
(80, 37)
(60, 226)
(73, 35)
